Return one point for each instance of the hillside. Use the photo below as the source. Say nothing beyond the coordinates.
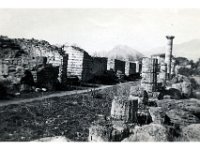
(122, 52)
(190, 49)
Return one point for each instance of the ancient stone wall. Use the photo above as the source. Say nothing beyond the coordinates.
(26, 53)
(116, 65)
(130, 68)
(15, 67)
(79, 63)
(138, 67)
(87, 67)
(99, 65)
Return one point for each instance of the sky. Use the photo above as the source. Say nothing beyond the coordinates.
(102, 29)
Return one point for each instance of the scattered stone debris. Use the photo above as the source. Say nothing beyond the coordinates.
(157, 115)
(183, 84)
(191, 133)
(148, 133)
(180, 117)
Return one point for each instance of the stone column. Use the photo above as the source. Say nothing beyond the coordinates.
(168, 55)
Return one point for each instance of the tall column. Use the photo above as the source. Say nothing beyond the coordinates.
(168, 55)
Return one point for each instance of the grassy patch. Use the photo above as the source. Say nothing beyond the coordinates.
(70, 116)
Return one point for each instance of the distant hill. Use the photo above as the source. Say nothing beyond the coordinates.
(122, 52)
(190, 49)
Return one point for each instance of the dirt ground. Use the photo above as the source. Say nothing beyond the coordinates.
(68, 116)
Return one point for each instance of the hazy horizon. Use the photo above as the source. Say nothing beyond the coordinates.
(102, 29)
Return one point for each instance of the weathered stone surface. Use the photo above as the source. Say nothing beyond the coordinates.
(180, 117)
(79, 63)
(157, 114)
(99, 133)
(117, 109)
(196, 94)
(148, 133)
(143, 116)
(120, 130)
(116, 65)
(183, 84)
(124, 108)
(53, 139)
(191, 105)
(191, 133)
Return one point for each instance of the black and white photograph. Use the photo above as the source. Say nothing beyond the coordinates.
(99, 75)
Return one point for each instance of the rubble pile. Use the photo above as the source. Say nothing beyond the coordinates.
(148, 133)
(183, 84)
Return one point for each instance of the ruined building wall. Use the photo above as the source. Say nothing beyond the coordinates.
(127, 68)
(116, 65)
(138, 67)
(111, 64)
(30, 48)
(99, 65)
(130, 68)
(37, 48)
(26, 54)
(79, 63)
(120, 66)
(14, 67)
(87, 67)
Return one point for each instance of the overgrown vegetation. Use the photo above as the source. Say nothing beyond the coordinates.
(70, 116)
(188, 67)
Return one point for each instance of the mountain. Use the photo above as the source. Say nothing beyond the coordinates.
(189, 49)
(122, 52)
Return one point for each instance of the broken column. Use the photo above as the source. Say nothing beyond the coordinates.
(125, 110)
(131, 109)
(168, 55)
(162, 74)
(149, 74)
(173, 67)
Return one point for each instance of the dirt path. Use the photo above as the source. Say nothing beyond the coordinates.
(53, 95)
(60, 94)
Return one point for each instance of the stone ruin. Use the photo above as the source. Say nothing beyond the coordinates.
(158, 75)
(122, 118)
(22, 58)
(18, 70)
(136, 117)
